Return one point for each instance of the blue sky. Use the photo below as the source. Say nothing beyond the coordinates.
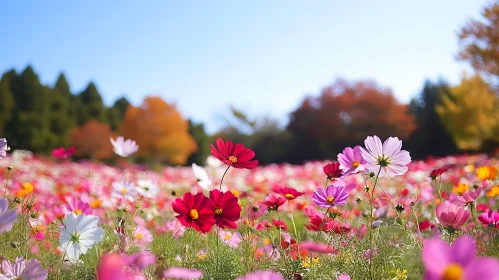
(261, 56)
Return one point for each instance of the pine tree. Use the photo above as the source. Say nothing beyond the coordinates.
(203, 142)
(90, 106)
(6, 102)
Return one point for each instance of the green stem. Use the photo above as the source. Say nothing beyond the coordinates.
(6, 181)
(371, 225)
(292, 220)
(220, 188)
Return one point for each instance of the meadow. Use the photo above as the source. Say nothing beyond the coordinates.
(372, 213)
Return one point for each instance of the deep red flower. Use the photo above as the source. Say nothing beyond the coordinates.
(317, 220)
(437, 172)
(236, 155)
(287, 192)
(226, 208)
(280, 224)
(62, 152)
(424, 225)
(332, 170)
(195, 211)
(273, 202)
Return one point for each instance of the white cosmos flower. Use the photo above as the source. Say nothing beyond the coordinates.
(80, 234)
(147, 188)
(203, 179)
(123, 147)
(123, 189)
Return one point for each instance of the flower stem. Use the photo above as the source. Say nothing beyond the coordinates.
(292, 220)
(220, 188)
(6, 182)
(371, 225)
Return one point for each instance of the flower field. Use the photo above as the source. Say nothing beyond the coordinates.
(369, 214)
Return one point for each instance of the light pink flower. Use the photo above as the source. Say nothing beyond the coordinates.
(387, 159)
(182, 273)
(452, 215)
(262, 275)
(317, 248)
(351, 160)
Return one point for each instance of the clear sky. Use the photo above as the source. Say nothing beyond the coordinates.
(262, 56)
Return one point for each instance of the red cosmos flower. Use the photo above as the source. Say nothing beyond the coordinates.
(280, 224)
(332, 170)
(273, 202)
(437, 172)
(236, 156)
(195, 211)
(62, 153)
(287, 192)
(226, 207)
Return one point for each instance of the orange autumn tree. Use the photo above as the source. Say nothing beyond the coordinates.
(160, 131)
(92, 140)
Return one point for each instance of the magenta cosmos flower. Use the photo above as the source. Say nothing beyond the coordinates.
(332, 196)
(490, 219)
(182, 273)
(452, 215)
(351, 160)
(7, 216)
(456, 261)
(262, 275)
(386, 159)
(236, 155)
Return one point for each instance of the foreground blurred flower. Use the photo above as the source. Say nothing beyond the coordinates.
(287, 192)
(457, 261)
(236, 156)
(81, 232)
(452, 215)
(344, 277)
(331, 196)
(62, 153)
(226, 207)
(386, 158)
(202, 177)
(486, 172)
(332, 171)
(351, 160)
(262, 275)
(26, 190)
(3, 148)
(112, 267)
(7, 216)
(21, 269)
(490, 219)
(139, 261)
(182, 273)
(195, 211)
(123, 147)
(317, 248)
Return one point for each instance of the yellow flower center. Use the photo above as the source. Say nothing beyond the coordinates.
(193, 214)
(218, 211)
(123, 191)
(453, 272)
(227, 236)
(139, 235)
(233, 159)
(355, 164)
(330, 199)
(78, 211)
(288, 195)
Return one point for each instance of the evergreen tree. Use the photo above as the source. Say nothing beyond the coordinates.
(61, 112)
(116, 112)
(90, 106)
(6, 101)
(203, 142)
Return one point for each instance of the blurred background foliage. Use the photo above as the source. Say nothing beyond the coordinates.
(441, 120)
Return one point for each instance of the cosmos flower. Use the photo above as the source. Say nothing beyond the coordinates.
(63, 153)
(280, 224)
(80, 233)
(20, 269)
(490, 219)
(202, 177)
(437, 172)
(140, 260)
(182, 273)
(332, 171)
(147, 188)
(486, 172)
(287, 192)
(77, 206)
(351, 160)
(452, 215)
(262, 275)
(232, 239)
(142, 236)
(123, 147)
(236, 155)
(124, 189)
(112, 266)
(456, 261)
(469, 196)
(195, 211)
(273, 202)
(7, 216)
(332, 196)
(175, 227)
(344, 277)
(386, 159)
(3, 148)
(226, 207)
(315, 247)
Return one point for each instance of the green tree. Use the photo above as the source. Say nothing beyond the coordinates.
(90, 106)
(61, 113)
(203, 141)
(6, 101)
(116, 112)
(470, 113)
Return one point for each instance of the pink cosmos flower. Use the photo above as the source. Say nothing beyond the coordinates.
(112, 267)
(142, 236)
(332, 196)
(262, 275)
(457, 261)
(21, 269)
(351, 160)
(468, 197)
(490, 219)
(77, 206)
(139, 261)
(317, 248)
(452, 215)
(344, 277)
(7, 217)
(63, 153)
(123, 147)
(387, 159)
(182, 273)
(232, 239)
(173, 226)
